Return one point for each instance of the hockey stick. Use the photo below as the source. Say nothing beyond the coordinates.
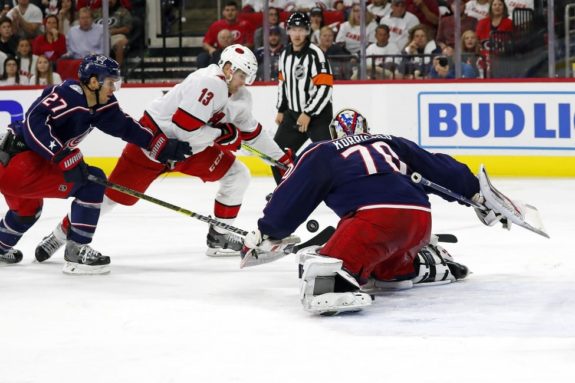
(418, 179)
(509, 213)
(137, 194)
(264, 157)
(255, 259)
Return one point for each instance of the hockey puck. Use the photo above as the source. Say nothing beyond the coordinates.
(312, 225)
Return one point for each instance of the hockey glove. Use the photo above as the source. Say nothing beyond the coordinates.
(71, 162)
(287, 160)
(164, 149)
(259, 248)
(230, 138)
(489, 216)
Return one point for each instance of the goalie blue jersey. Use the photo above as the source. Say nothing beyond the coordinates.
(61, 118)
(360, 171)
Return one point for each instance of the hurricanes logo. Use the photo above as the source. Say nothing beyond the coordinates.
(299, 72)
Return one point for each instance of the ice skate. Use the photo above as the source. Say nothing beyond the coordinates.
(82, 259)
(10, 257)
(433, 265)
(223, 244)
(48, 247)
(326, 289)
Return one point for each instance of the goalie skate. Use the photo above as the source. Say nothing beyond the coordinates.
(524, 215)
(327, 289)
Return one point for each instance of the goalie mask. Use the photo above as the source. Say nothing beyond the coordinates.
(241, 58)
(346, 123)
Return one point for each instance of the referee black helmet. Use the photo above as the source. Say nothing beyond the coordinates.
(299, 19)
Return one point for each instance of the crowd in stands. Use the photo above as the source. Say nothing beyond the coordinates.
(43, 41)
(406, 39)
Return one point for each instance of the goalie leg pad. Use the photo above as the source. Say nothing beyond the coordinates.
(327, 289)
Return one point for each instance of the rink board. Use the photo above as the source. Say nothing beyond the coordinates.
(520, 128)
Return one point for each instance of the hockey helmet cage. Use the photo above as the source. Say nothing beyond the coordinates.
(347, 122)
(101, 67)
(242, 58)
(299, 19)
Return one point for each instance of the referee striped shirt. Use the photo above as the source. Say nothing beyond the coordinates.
(305, 80)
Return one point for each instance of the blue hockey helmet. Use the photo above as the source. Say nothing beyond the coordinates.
(101, 67)
(346, 123)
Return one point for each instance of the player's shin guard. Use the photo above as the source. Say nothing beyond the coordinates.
(327, 289)
(12, 227)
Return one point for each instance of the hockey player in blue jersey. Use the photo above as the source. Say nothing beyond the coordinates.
(383, 239)
(40, 159)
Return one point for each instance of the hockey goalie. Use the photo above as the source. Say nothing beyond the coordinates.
(383, 240)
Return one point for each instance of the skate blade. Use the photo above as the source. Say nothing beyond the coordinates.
(221, 253)
(72, 268)
(374, 287)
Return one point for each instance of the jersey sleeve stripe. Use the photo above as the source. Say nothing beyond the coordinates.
(186, 121)
(248, 136)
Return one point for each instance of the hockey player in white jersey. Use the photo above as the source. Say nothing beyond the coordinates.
(211, 110)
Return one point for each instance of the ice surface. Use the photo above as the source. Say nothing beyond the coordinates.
(168, 313)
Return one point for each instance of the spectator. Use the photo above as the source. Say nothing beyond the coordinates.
(276, 47)
(11, 74)
(241, 30)
(66, 15)
(471, 53)
(26, 19)
(43, 73)
(382, 67)
(316, 19)
(3, 57)
(86, 37)
(274, 21)
(338, 57)
(5, 6)
(443, 68)
(120, 25)
(497, 21)
(446, 31)
(349, 33)
(8, 42)
(399, 21)
(26, 59)
(417, 53)
(379, 9)
(426, 11)
(50, 7)
(52, 43)
(225, 39)
(95, 4)
(478, 9)
(249, 6)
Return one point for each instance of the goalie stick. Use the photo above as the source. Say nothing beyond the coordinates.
(508, 208)
(254, 259)
(134, 193)
(264, 157)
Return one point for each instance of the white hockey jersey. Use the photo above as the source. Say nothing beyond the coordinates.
(190, 109)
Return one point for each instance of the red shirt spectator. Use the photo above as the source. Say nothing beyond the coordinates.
(427, 11)
(241, 30)
(52, 44)
(95, 4)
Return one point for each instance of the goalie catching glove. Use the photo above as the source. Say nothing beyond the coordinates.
(489, 216)
(259, 248)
